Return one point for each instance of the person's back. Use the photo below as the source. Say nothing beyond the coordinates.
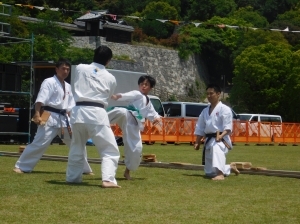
(93, 86)
(92, 83)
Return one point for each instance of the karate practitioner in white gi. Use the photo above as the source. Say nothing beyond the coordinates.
(93, 86)
(131, 120)
(55, 94)
(216, 117)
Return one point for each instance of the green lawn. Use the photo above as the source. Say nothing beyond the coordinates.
(156, 195)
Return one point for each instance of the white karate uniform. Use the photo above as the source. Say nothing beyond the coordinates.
(131, 125)
(215, 152)
(51, 94)
(92, 83)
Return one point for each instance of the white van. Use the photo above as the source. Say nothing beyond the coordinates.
(269, 124)
(189, 111)
(186, 109)
(260, 118)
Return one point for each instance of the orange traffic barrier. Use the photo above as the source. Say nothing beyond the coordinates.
(179, 130)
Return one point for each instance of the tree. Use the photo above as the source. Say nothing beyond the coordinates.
(290, 19)
(215, 45)
(289, 108)
(269, 8)
(250, 16)
(250, 37)
(158, 10)
(262, 74)
(203, 10)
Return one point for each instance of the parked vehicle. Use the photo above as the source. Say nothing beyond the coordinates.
(186, 109)
(188, 114)
(263, 125)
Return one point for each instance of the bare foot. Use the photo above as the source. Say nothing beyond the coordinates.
(91, 173)
(218, 177)
(17, 170)
(234, 169)
(127, 174)
(106, 184)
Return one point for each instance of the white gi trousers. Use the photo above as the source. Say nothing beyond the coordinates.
(131, 136)
(215, 159)
(106, 144)
(43, 138)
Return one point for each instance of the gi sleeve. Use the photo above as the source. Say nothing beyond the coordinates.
(227, 119)
(152, 114)
(44, 93)
(71, 102)
(200, 125)
(130, 96)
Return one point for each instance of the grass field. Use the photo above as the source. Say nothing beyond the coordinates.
(156, 195)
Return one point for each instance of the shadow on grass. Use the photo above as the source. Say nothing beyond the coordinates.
(45, 172)
(198, 175)
(59, 182)
(132, 179)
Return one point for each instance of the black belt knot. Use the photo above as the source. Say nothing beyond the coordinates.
(87, 103)
(61, 112)
(208, 137)
(211, 135)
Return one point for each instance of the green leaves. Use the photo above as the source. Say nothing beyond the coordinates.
(263, 76)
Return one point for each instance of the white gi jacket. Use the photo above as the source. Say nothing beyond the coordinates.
(92, 83)
(139, 101)
(219, 120)
(52, 94)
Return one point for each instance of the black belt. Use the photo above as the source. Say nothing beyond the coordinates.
(208, 137)
(62, 112)
(52, 109)
(86, 103)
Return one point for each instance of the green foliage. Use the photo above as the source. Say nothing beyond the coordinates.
(262, 74)
(290, 19)
(79, 55)
(172, 98)
(289, 106)
(250, 16)
(172, 41)
(203, 10)
(257, 37)
(129, 7)
(154, 28)
(122, 57)
(161, 10)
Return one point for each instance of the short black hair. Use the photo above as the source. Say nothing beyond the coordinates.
(63, 61)
(102, 55)
(214, 86)
(150, 79)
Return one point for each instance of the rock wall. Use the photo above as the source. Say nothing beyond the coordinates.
(173, 75)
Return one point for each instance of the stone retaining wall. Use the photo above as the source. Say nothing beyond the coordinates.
(172, 74)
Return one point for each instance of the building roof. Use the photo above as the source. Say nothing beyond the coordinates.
(118, 26)
(92, 15)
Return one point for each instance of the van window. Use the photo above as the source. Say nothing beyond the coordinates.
(173, 110)
(270, 119)
(193, 110)
(254, 118)
(244, 117)
(158, 106)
